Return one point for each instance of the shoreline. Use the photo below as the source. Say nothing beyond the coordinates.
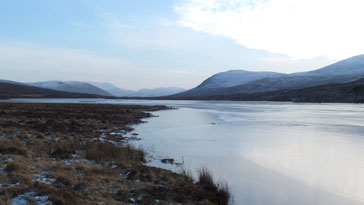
(10, 100)
(78, 153)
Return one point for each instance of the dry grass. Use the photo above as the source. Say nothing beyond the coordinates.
(212, 190)
(12, 146)
(187, 174)
(121, 156)
(66, 152)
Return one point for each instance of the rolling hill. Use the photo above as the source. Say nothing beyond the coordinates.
(112, 89)
(145, 92)
(71, 86)
(341, 72)
(154, 92)
(234, 78)
(337, 92)
(17, 90)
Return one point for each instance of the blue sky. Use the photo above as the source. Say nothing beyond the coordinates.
(164, 43)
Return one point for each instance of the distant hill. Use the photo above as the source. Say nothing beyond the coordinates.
(71, 86)
(234, 78)
(341, 72)
(112, 89)
(153, 92)
(17, 90)
(339, 92)
(351, 66)
(11, 82)
(164, 91)
(99, 88)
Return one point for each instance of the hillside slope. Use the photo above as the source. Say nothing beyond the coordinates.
(345, 71)
(154, 92)
(145, 92)
(234, 78)
(112, 89)
(71, 86)
(351, 66)
(10, 90)
(339, 92)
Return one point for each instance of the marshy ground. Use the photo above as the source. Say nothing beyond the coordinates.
(79, 154)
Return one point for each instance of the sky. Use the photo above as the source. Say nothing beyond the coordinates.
(172, 43)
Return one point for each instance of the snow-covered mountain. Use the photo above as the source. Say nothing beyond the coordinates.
(12, 89)
(345, 71)
(155, 92)
(104, 88)
(234, 78)
(71, 86)
(11, 82)
(144, 92)
(115, 91)
(351, 66)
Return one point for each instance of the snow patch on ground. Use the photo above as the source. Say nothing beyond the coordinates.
(116, 133)
(69, 162)
(23, 199)
(44, 179)
(3, 136)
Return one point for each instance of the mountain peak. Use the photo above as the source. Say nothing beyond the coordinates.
(144, 92)
(241, 81)
(350, 66)
(71, 86)
(234, 77)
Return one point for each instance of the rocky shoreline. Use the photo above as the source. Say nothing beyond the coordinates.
(79, 154)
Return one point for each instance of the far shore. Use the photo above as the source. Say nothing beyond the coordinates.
(190, 99)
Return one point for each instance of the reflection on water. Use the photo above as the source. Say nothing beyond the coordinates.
(269, 153)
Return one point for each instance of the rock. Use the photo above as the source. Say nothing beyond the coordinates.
(167, 161)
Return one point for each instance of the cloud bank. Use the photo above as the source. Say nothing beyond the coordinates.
(299, 29)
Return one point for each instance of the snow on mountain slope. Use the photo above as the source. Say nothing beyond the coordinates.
(234, 78)
(113, 89)
(155, 92)
(11, 82)
(273, 84)
(350, 66)
(344, 71)
(71, 86)
(11, 89)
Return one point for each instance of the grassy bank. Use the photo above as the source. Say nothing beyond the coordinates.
(78, 154)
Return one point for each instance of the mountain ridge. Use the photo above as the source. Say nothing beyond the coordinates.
(344, 71)
(70, 86)
(235, 77)
(18, 90)
(144, 92)
(112, 89)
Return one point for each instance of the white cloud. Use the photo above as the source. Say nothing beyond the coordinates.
(297, 28)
